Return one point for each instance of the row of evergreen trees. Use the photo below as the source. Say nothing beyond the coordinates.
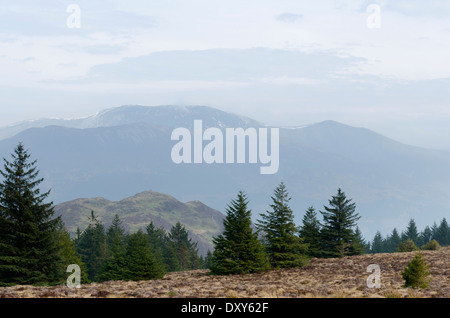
(393, 242)
(277, 242)
(35, 247)
(113, 254)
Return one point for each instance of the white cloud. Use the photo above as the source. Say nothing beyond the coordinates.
(363, 73)
(288, 17)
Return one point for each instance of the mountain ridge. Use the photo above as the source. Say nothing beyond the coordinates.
(389, 181)
(131, 114)
(137, 211)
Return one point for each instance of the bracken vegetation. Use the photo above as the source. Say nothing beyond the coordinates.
(322, 277)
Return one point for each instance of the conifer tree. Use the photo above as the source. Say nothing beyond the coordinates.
(283, 246)
(393, 241)
(434, 230)
(417, 274)
(92, 247)
(29, 251)
(442, 233)
(185, 249)
(140, 262)
(425, 236)
(377, 245)
(69, 253)
(358, 245)
(238, 249)
(310, 232)
(337, 231)
(411, 232)
(116, 240)
(170, 257)
(156, 238)
(207, 260)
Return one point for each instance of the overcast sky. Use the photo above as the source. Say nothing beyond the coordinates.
(384, 65)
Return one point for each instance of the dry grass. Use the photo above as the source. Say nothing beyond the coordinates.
(331, 278)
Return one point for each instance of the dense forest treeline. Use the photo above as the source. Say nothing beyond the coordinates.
(35, 247)
(431, 237)
(113, 254)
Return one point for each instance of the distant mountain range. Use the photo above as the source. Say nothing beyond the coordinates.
(126, 150)
(136, 212)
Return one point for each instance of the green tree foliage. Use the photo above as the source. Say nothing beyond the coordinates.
(425, 236)
(337, 231)
(140, 262)
(284, 247)
(116, 241)
(442, 233)
(238, 249)
(157, 239)
(411, 232)
(377, 245)
(407, 246)
(416, 274)
(175, 248)
(393, 243)
(69, 253)
(358, 245)
(185, 250)
(310, 232)
(432, 245)
(116, 238)
(29, 250)
(92, 246)
(207, 260)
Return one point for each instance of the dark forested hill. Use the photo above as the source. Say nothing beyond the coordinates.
(138, 211)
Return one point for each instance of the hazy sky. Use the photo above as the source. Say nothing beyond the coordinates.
(384, 65)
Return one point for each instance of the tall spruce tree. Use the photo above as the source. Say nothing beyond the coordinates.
(69, 253)
(417, 273)
(310, 232)
(442, 233)
(92, 247)
(185, 250)
(29, 250)
(116, 240)
(337, 231)
(393, 241)
(163, 248)
(141, 263)
(411, 232)
(358, 245)
(238, 249)
(283, 246)
(425, 236)
(378, 243)
(156, 238)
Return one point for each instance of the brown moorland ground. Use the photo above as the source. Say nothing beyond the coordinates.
(330, 278)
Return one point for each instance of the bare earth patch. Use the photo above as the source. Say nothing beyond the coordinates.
(328, 278)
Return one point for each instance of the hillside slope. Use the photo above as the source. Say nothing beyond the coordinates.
(138, 211)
